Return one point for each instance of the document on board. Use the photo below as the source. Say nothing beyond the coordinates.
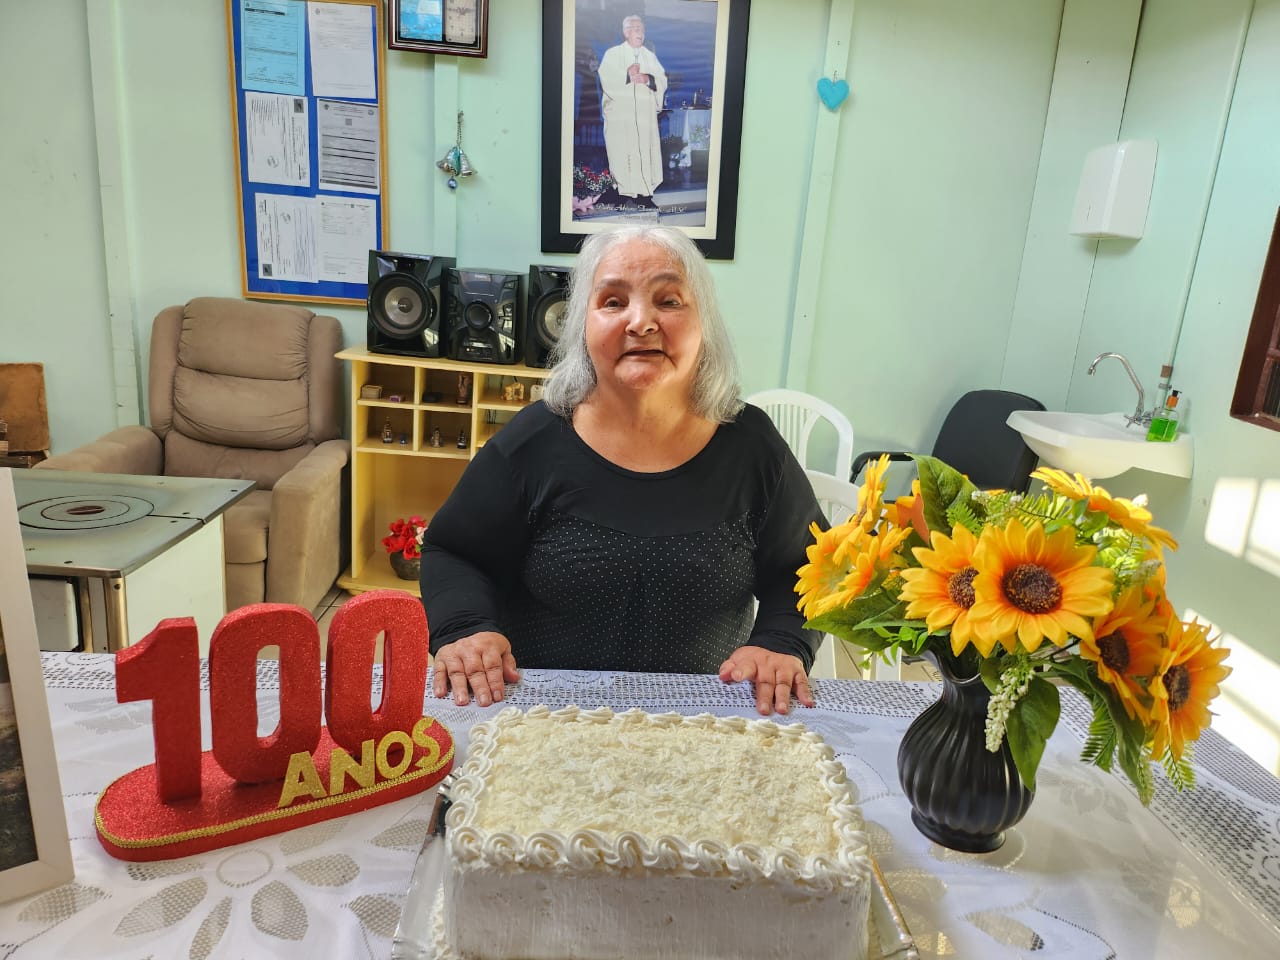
(342, 50)
(286, 237)
(349, 146)
(277, 139)
(271, 45)
(348, 231)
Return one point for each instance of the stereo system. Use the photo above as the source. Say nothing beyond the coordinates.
(406, 304)
(483, 312)
(548, 304)
(422, 305)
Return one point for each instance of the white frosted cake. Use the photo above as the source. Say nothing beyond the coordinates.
(590, 834)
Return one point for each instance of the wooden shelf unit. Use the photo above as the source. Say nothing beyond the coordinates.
(408, 476)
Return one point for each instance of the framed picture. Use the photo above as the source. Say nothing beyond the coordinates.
(459, 28)
(642, 118)
(35, 853)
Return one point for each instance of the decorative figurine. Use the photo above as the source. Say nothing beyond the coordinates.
(455, 162)
(462, 439)
(535, 392)
(387, 435)
(436, 439)
(464, 389)
(513, 391)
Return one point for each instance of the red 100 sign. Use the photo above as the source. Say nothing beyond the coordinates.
(248, 786)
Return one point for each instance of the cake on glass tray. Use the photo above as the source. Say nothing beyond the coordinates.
(590, 834)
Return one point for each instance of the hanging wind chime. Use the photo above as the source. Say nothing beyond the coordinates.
(455, 162)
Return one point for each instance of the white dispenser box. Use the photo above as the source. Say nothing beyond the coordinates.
(1115, 191)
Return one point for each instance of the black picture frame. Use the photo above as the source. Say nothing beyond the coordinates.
(704, 74)
(400, 35)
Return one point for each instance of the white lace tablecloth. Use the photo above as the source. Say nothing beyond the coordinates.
(1089, 874)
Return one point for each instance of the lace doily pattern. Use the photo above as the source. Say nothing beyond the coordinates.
(1089, 873)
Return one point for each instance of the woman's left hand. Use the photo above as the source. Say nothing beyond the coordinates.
(775, 676)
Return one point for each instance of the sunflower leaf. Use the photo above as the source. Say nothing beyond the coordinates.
(1031, 722)
(989, 667)
(862, 612)
(941, 485)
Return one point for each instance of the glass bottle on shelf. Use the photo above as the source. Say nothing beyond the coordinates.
(388, 436)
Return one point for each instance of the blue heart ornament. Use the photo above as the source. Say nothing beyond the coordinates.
(833, 92)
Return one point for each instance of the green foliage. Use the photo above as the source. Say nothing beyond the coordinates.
(941, 485)
(964, 515)
(989, 669)
(1031, 722)
(1100, 746)
(1180, 772)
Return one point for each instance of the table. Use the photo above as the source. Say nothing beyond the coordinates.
(110, 555)
(1088, 874)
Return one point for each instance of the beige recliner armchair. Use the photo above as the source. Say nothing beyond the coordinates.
(247, 391)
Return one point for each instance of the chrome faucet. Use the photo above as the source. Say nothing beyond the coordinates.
(1140, 414)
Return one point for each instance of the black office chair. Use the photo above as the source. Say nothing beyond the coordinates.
(975, 439)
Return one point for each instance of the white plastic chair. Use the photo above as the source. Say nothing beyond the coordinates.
(795, 414)
(839, 500)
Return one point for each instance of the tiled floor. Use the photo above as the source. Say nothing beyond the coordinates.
(325, 610)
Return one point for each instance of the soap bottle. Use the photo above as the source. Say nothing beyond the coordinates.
(1162, 389)
(1164, 425)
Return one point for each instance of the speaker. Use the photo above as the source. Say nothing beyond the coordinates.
(548, 303)
(483, 307)
(406, 304)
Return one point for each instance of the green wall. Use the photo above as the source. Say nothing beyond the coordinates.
(889, 257)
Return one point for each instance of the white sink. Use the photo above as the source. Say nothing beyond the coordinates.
(1099, 445)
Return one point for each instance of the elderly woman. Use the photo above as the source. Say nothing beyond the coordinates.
(640, 517)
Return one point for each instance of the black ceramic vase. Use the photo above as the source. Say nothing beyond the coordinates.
(405, 568)
(962, 795)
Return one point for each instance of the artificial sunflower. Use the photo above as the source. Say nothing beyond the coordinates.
(1126, 514)
(1031, 586)
(941, 588)
(1188, 677)
(828, 565)
(1127, 644)
(871, 493)
(908, 511)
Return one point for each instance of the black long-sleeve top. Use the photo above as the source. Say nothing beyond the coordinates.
(585, 565)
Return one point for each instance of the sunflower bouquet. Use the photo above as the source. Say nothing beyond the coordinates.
(1062, 586)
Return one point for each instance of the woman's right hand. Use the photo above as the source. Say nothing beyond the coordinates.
(479, 665)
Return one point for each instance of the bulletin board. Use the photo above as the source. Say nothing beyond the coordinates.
(308, 113)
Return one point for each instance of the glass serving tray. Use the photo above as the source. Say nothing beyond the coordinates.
(888, 936)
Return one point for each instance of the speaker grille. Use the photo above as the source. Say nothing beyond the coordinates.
(400, 306)
(406, 303)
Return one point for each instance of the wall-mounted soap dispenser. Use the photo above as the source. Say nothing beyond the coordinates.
(1115, 191)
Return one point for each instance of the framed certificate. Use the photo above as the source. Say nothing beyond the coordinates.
(459, 28)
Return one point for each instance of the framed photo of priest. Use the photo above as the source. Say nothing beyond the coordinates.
(35, 853)
(642, 118)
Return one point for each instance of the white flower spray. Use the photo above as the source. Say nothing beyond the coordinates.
(1013, 685)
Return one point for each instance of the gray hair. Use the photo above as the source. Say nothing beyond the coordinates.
(633, 18)
(573, 377)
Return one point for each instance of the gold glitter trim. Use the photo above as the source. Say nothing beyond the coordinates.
(257, 818)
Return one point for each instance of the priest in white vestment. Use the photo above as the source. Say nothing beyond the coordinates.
(634, 84)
